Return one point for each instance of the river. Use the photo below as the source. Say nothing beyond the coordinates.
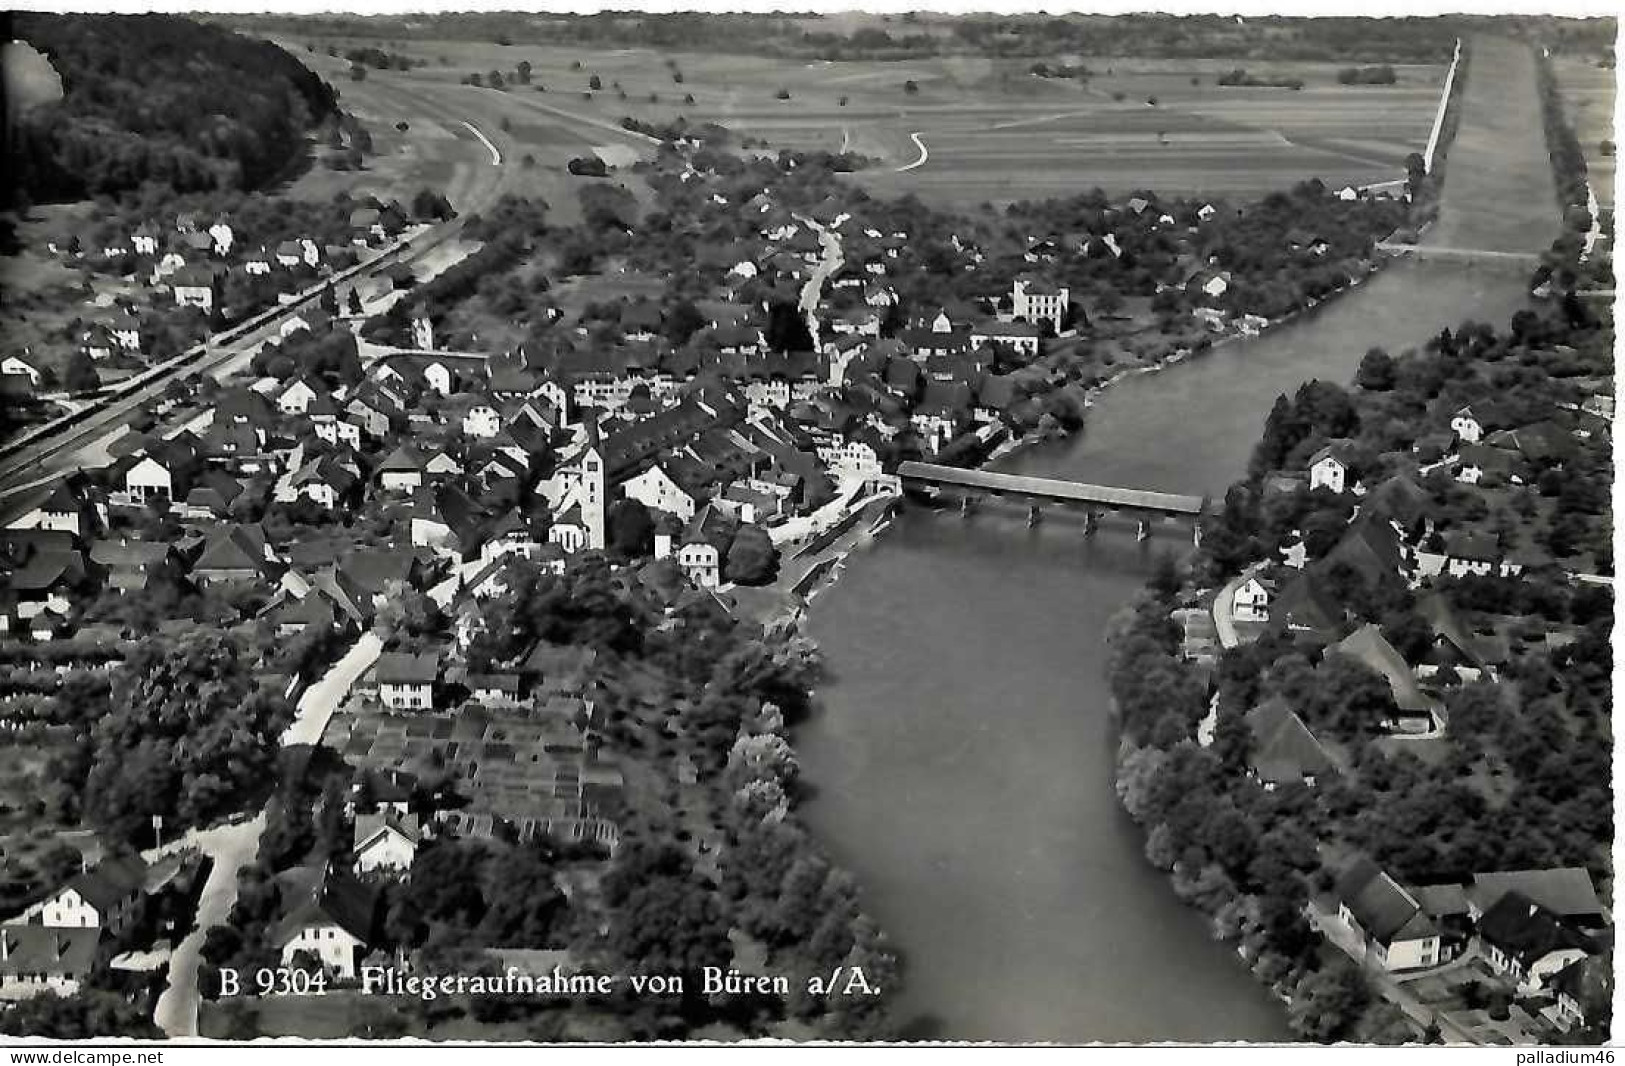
(963, 754)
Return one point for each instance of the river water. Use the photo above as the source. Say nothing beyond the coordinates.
(963, 754)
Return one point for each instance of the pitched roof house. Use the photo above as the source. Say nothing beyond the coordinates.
(1284, 751)
(1530, 943)
(1398, 934)
(328, 915)
(384, 842)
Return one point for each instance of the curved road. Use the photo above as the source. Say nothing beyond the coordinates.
(234, 846)
(924, 155)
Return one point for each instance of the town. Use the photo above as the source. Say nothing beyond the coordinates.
(414, 582)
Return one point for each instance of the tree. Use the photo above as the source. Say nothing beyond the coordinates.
(911, 87)
(188, 733)
(1165, 580)
(595, 83)
(407, 614)
(629, 529)
(80, 374)
(663, 919)
(358, 72)
(85, 1015)
(682, 322)
(1327, 1002)
(1377, 371)
(521, 72)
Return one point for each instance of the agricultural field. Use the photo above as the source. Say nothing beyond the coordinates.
(1588, 93)
(438, 148)
(990, 129)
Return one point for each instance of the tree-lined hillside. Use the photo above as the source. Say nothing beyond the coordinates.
(164, 99)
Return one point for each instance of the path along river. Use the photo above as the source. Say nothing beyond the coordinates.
(963, 756)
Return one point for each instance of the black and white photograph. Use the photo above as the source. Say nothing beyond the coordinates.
(845, 525)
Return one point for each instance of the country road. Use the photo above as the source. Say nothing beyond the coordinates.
(231, 847)
(924, 154)
(813, 291)
(234, 846)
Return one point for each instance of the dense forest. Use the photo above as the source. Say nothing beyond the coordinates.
(157, 98)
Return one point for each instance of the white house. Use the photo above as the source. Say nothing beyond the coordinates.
(1529, 943)
(1467, 426)
(700, 551)
(145, 239)
(702, 562)
(406, 681)
(1251, 602)
(852, 457)
(1038, 301)
(221, 234)
(295, 399)
(336, 432)
(62, 510)
(1021, 337)
(105, 897)
(125, 330)
(385, 843)
(1327, 470)
(194, 288)
(1396, 932)
(149, 478)
(13, 364)
(330, 922)
(656, 489)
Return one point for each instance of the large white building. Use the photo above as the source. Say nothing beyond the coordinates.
(1039, 301)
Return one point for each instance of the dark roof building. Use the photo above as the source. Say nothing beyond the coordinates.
(1385, 912)
(1284, 750)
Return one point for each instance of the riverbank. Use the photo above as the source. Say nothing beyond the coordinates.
(1256, 916)
(782, 603)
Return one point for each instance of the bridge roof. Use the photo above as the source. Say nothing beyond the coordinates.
(1052, 488)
